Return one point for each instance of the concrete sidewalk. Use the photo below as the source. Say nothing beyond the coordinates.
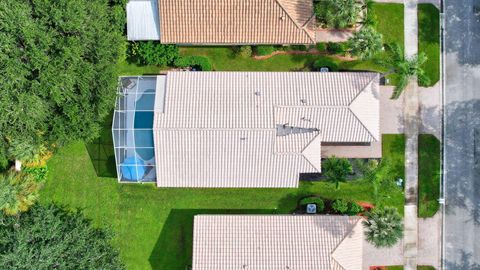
(412, 124)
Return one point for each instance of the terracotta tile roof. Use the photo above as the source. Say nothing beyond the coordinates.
(258, 129)
(265, 242)
(236, 21)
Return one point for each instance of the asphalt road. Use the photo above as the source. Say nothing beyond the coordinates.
(462, 135)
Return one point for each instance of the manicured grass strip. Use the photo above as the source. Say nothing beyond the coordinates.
(390, 21)
(428, 175)
(429, 40)
(393, 148)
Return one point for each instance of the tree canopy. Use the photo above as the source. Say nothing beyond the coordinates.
(366, 42)
(336, 169)
(383, 227)
(57, 61)
(405, 68)
(49, 237)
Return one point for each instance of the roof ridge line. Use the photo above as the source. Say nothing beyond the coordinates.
(363, 88)
(343, 239)
(300, 27)
(361, 123)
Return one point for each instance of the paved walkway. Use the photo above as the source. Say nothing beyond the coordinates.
(412, 123)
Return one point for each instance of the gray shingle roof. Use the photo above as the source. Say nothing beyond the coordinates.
(258, 129)
(266, 242)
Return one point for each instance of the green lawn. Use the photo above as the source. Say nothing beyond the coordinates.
(428, 175)
(429, 40)
(153, 226)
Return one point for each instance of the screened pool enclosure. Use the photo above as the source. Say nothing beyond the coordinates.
(133, 128)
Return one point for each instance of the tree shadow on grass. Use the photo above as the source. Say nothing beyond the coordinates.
(173, 249)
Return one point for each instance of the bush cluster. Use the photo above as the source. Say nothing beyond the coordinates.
(336, 48)
(264, 50)
(340, 206)
(244, 51)
(321, 47)
(38, 173)
(198, 62)
(152, 53)
(325, 62)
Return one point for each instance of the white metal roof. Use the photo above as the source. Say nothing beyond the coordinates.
(258, 129)
(266, 242)
(143, 20)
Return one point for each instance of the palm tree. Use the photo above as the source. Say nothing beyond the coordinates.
(405, 68)
(383, 227)
(366, 42)
(18, 191)
(337, 13)
(336, 170)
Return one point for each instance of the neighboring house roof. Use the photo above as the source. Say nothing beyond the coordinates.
(258, 129)
(143, 20)
(236, 21)
(265, 242)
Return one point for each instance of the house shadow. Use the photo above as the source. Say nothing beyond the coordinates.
(101, 151)
(173, 249)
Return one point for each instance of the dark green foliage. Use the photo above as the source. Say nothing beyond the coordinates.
(49, 237)
(354, 208)
(365, 43)
(384, 227)
(38, 173)
(316, 200)
(298, 48)
(18, 191)
(321, 47)
(336, 169)
(340, 206)
(198, 62)
(58, 71)
(264, 50)
(152, 53)
(325, 62)
(335, 48)
(337, 13)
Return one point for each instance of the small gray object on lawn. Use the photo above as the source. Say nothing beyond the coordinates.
(311, 208)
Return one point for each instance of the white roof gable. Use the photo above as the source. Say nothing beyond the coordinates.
(143, 20)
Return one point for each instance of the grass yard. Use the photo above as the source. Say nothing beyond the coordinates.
(428, 175)
(153, 226)
(429, 40)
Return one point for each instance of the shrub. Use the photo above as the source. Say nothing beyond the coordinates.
(340, 206)
(18, 191)
(264, 50)
(194, 61)
(354, 208)
(152, 53)
(383, 227)
(316, 200)
(299, 48)
(321, 47)
(245, 51)
(38, 173)
(325, 62)
(335, 48)
(337, 13)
